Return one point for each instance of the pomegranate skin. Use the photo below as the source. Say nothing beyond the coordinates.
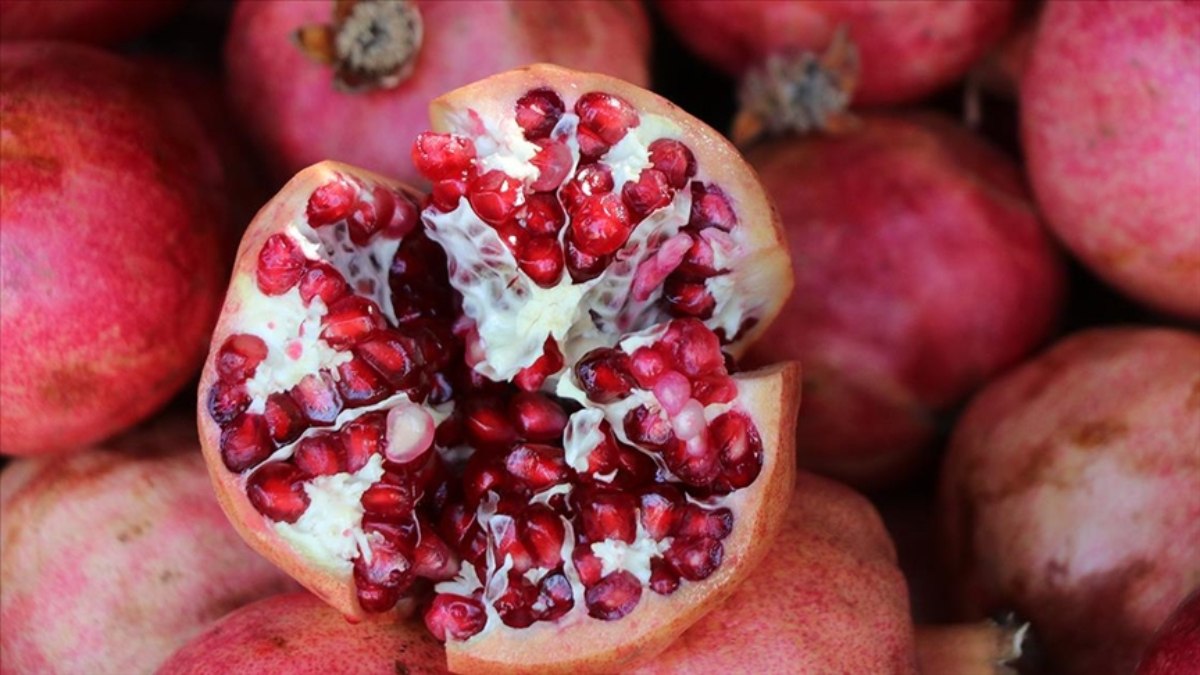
(1110, 117)
(112, 254)
(1176, 647)
(101, 22)
(828, 598)
(907, 49)
(115, 557)
(289, 105)
(299, 634)
(933, 277)
(1071, 492)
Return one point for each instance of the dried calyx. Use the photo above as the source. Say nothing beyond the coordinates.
(372, 44)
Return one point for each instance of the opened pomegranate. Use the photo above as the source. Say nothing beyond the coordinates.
(111, 256)
(115, 557)
(1071, 489)
(1110, 114)
(351, 80)
(92, 21)
(1176, 647)
(514, 404)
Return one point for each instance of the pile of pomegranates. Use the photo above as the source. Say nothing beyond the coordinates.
(526, 368)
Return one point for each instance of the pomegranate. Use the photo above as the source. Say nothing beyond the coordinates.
(111, 254)
(115, 557)
(297, 634)
(1070, 493)
(359, 91)
(92, 21)
(1176, 647)
(933, 278)
(513, 405)
(908, 49)
(1110, 114)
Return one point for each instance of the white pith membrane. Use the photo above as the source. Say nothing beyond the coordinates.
(512, 318)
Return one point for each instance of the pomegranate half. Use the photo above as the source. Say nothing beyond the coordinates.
(515, 405)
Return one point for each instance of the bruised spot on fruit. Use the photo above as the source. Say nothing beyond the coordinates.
(1103, 432)
(70, 386)
(132, 532)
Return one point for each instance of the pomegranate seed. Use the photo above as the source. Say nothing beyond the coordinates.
(554, 163)
(583, 266)
(387, 570)
(376, 599)
(538, 466)
(694, 461)
(538, 112)
(603, 373)
(587, 564)
(359, 384)
(226, 401)
(615, 596)
(543, 532)
(394, 502)
(648, 194)
(391, 354)
(711, 208)
(401, 535)
(284, 420)
(446, 194)
(350, 320)
(654, 270)
(648, 428)
(363, 223)
(601, 225)
(482, 475)
(363, 438)
(508, 544)
(659, 510)
(397, 212)
(239, 356)
(488, 426)
(603, 458)
(647, 365)
(330, 203)
(319, 455)
(410, 432)
(544, 216)
(455, 524)
(324, 281)
(609, 515)
(537, 417)
(555, 597)
(607, 116)
(673, 391)
(695, 559)
(699, 262)
(280, 265)
(276, 490)
(714, 389)
(541, 259)
(531, 377)
(664, 580)
(443, 156)
(635, 468)
(493, 196)
(695, 521)
(674, 159)
(432, 558)
(740, 450)
(318, 399)
(454, 616)
(515, 605)
(245, 442)
(591, 180)
(694, 348)
(685, 298)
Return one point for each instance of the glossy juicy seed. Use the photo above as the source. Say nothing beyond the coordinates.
(608, 515)
(433, 558)
(443, 156)
(711, 208)
(587, 564)
(664, 580)
(484, 474)
(538, 112)
(280, 265)
(647, 364)
(590, 180)
(376, 599)
(659, 509)
(634, 468)
(699, 262)
(533, 376)
(555, 597)
(350, 320)
(537, 417)
(362, 223)
(284, 419)
(714, 389)
(488, 426)
(538, 466)
(614, 596)
(695, 559)
(317, 399)
(245, 442)
(603, 374)
(507, 542)
(694, 461)
(543, 532)
(398, 214)
(583, 266)
(607, 116)
(392, 355)
(543, 215)
(541, 259)
(554, 163)
(695, 521)
(454, 617)
(387, 570)
(322, 280)
(740, 450)
(515, 604)
(360, 385)
(239, 356)
(601, 225)
(649, 193)
(363, 438)
(331, 203)
(686, 298)
(694, 349)
(674, 160)
(276, 490)
(493, 196)
(394, 502)
(319, 455)
(226, 401)
(445, 194)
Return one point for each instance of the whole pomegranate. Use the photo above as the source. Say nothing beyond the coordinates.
(1176, 647)
(1071, 491)
(517, 403)
(91, 21)
(907, 49)
(1110, 117)
(297, 634)
(361, 92)
(111, 259)
(921, 271)
(115, 557)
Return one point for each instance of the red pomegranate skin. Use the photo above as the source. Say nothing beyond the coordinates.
(907, 49)
(1110, 121)
(111, 254)
(829, 598)
(298, 634)
(101, 22)
(1176, 646)
(921, 271)
(289, 106)
(1071, 493)
(115, 557)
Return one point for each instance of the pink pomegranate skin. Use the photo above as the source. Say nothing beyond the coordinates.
(829, 598)
(1176, 647)
(921, 270)
(1110, 117)
(92, 21)
(907, 49)
(289, 106)
(115, 557)
(111, 254)
(1071, 492)
(298, 634)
